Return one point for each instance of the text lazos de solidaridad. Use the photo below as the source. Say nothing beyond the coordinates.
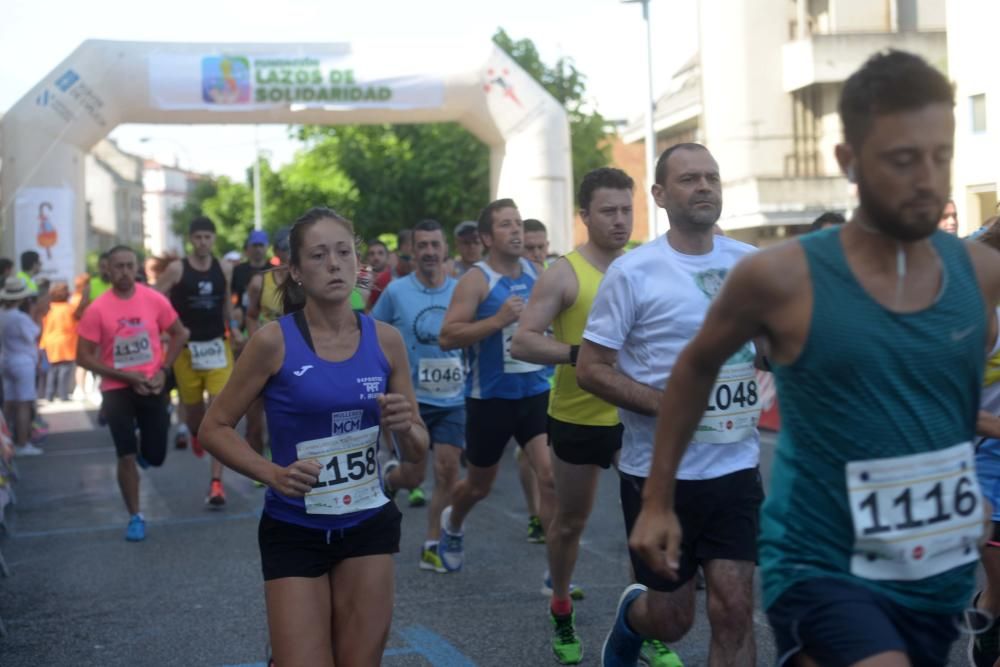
(277, 82)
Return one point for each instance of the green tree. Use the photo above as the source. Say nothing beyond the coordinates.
(590, 148)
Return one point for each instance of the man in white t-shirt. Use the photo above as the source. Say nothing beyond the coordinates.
(651, 303)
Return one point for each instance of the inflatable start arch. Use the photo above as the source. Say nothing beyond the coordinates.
(102, 84)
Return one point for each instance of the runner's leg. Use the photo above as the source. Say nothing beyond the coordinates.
(446, 464)
(475, 487)
(299, 612)
(539, 454)
(362, 590)
(730, 612)
(576, 486)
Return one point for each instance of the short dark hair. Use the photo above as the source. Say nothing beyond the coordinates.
(121, 248)
(29, 258)
(427, 225)
(375, 242)
(6, 264)
(403, 237)
(661, 164)
(888, 82)
(602, 177)
(485, 220)
(533, 225)
(201, 224)
(828, 218)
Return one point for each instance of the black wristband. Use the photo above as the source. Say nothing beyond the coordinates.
(574, 352)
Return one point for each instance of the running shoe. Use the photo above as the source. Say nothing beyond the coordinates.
(181, 438)
(141, 461)
(40, 423)
(216, 495)
(417, 497)
(136, 531)
(450, 547)
(566, 644)
(28, 450)
(196, 447)
(655, 653)
(535, 533)
(622, 645)
(389, 466)
(430, 560)
(575, 592)
(984, 646)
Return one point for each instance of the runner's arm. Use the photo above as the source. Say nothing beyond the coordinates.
(460, 328)
(400, 413)
(548, 299)
(988, 425)
(89, 358)
(597, 372)
(260, 360)
(171, 276)
(178, 337)
(254, 290)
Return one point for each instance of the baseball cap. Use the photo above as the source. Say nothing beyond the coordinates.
(257, 237)
(281, 240)
(466, 228)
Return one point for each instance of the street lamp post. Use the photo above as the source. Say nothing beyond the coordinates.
(650, 141)
(258, 207)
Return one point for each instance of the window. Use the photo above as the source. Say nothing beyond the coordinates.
(978, 105)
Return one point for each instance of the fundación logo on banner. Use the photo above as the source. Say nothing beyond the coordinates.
(225, 79)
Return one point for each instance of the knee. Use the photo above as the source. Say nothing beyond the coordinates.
(730, 613)
(445, 473)
(668, 621)
(478, 489)
(569, 525)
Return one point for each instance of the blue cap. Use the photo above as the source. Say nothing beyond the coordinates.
(257, 237)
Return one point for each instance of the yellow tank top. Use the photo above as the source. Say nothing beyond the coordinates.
(567, 402)
(270, 299)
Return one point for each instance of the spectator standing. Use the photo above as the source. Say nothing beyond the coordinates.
(58, 341)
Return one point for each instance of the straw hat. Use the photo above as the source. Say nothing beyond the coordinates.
(15, 289)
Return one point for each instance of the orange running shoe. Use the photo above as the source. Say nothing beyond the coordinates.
(216, 495)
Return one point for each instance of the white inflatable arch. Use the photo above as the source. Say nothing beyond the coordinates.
(44, 137)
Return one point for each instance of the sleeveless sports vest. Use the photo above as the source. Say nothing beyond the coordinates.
(198, 300)
(877, 413)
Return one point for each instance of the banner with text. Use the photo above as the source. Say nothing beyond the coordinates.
(246, 83)
(43, 222)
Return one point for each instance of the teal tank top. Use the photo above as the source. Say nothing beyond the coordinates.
(869, 384)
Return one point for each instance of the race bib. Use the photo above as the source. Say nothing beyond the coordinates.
(441, 378)
(733, 406)
(915, 516)
(349, 481)
(132, 351)
(208, 355)
(510, 364)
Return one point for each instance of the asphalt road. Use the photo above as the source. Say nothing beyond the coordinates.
(192, 594)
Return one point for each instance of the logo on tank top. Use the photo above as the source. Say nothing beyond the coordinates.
(372, 387)
(427, 324)
(204, 287)
(302, 371)
(348, 421)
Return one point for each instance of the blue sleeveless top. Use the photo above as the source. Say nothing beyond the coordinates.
(311, 398)
(490, 374)
(869, 384)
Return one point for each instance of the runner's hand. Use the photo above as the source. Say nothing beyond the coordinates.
(297, 479)
(510, 311)
(656, 537)
(397, 412)
(154, 385)
(138, 382)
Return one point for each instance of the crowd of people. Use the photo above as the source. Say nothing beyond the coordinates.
(352, 374)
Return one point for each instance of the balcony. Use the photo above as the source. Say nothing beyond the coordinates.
(834, 57)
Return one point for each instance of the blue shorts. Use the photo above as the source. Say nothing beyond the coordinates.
(446, 426)
(988, 471)
(838, 623)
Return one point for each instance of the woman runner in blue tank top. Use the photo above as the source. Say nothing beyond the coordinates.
(331, 379)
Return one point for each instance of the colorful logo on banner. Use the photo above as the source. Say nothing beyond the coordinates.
(500, 81)
(225, 79)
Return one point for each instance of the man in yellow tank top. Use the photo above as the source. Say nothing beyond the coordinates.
(584, 431)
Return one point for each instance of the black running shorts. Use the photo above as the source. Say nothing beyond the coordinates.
(491, 422)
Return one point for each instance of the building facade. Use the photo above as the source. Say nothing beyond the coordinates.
(166, 190)
(114, 198)
(762, 94)
(976, 175)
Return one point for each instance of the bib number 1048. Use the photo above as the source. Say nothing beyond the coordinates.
(726, 395)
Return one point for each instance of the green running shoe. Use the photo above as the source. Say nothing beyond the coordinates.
(566, 644)
(535, 533)
(417, 497)
(430, 560)
(655, 653)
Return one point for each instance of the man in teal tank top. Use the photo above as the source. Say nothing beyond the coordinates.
(878, 332)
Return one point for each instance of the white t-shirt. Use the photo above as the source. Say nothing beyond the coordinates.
(651, 302)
